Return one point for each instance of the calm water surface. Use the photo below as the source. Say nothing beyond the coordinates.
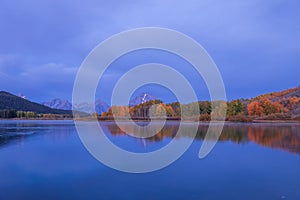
(46, 160)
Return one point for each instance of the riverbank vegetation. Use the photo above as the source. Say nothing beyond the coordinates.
(284, 105)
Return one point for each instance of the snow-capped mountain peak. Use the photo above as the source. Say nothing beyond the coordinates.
(142, 98)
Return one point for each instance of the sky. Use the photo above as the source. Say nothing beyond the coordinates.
(255, 44)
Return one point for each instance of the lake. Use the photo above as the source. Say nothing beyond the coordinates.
(46, 160)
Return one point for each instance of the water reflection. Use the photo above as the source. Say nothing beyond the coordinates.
(281, 137)
(17, 131)
(278, 136)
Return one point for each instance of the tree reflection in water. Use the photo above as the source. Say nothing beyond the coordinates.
(278, 136)
(285, 136)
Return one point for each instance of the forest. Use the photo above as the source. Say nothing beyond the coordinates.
(12, 106)
(284, 105)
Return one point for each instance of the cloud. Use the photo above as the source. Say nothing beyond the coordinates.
(41, 82)
(254, 43)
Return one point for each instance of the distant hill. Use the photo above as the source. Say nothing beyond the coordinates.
(58, 104)
(276, 96)
(289, 99)
(99, 105)
(12, 102)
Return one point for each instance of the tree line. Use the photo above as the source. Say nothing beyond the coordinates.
(236, 110)
(8, 114)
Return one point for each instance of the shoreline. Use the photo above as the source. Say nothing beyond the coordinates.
(259, 121)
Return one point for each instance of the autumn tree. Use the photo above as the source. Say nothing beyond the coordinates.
(254, 109)
(219, 108)
(169, 110)
(159, 111)
(235, 107)
(176, 107)
(270, 107)
(205, 107)
(120, 111)
(265, 106)
(292, 102)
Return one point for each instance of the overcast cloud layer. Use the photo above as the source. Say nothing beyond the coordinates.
(254, 43)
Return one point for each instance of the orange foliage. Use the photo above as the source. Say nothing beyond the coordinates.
(254, 109)
(119, 111)
(265, 107)
(278, 94)
(293, 101)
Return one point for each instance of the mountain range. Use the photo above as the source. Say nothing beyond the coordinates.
(100, 106)
(12, 102)
(58, 106)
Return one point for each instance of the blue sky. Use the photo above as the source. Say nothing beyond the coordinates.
(255, 44)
